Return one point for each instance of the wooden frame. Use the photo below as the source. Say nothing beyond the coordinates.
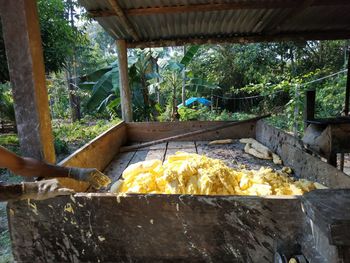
(104, 227)
(243, 39)
(27, 72)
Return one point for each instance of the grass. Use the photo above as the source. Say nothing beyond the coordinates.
(68, 138)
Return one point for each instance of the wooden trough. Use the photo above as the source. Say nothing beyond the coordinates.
(103, 227)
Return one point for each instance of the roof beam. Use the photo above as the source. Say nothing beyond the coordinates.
(297, 36)
(217, 7)
(123, 19)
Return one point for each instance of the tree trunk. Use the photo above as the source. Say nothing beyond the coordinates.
(183, 92)
(174, 113)
(74, 99)
(158, 80)
(145, 97)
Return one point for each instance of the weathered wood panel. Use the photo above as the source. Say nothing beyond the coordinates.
(327, 225)
(99, 152)
(332, 215)
(340, 138)
(148, 131)
(181, 145)
(96, 154)
(117, 166)
(153, 228)
(291, 151)
(185, 146)
(144, 155)
(24, 53)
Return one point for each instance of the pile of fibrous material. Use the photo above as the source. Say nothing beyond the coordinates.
(188, 173)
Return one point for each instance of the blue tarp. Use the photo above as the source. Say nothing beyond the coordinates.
(202, 101)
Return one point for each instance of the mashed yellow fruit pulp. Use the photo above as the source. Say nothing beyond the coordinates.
(188, 173)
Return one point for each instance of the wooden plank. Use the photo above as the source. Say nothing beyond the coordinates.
(144, 155)
(154, 152)
(152, 147)
(332, 215)
(125, 93)
(340, 137)
(315, 244)
(128, 26)
(306, 166)
(117, 166)
(216, 152)
(181, 145)
(174, 147)
(347, 89)
(310, 100)
(243, 39)
(27, 72)
(99, 152)
(106, 228)
(148, 131)
(195, 133)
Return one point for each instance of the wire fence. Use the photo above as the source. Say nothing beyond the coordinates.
(274, 100)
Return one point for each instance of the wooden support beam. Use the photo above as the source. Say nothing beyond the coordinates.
(346, 105)
(310, 99)
(347, 90)
(123, 19)
(24, 52)
(125, 93)
(243, 39)
(215, 7)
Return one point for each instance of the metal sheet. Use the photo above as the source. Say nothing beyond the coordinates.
(332, 16)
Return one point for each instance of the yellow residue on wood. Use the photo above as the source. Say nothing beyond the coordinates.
(68, 208)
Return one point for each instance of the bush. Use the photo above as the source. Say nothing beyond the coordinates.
(205, 114)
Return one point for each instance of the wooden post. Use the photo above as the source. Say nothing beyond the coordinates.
(309, 112)
(22, 39)
(347, 90)
(346, 106)
(296, 111)
(125, 94)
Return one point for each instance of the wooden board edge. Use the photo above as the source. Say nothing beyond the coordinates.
(292, 152)
(93, 141)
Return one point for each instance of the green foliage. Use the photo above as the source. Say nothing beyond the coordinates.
(9, 140)
(7, 112)
(58, 96)
(57, 35)
(74, 135)
(188, 56)
(205, 114)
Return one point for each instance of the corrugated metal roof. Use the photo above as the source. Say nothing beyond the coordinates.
(240, 20)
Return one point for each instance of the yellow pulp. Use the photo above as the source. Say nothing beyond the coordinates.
(185, 173)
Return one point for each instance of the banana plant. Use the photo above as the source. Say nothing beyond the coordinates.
(104, 87)
(175, 75)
